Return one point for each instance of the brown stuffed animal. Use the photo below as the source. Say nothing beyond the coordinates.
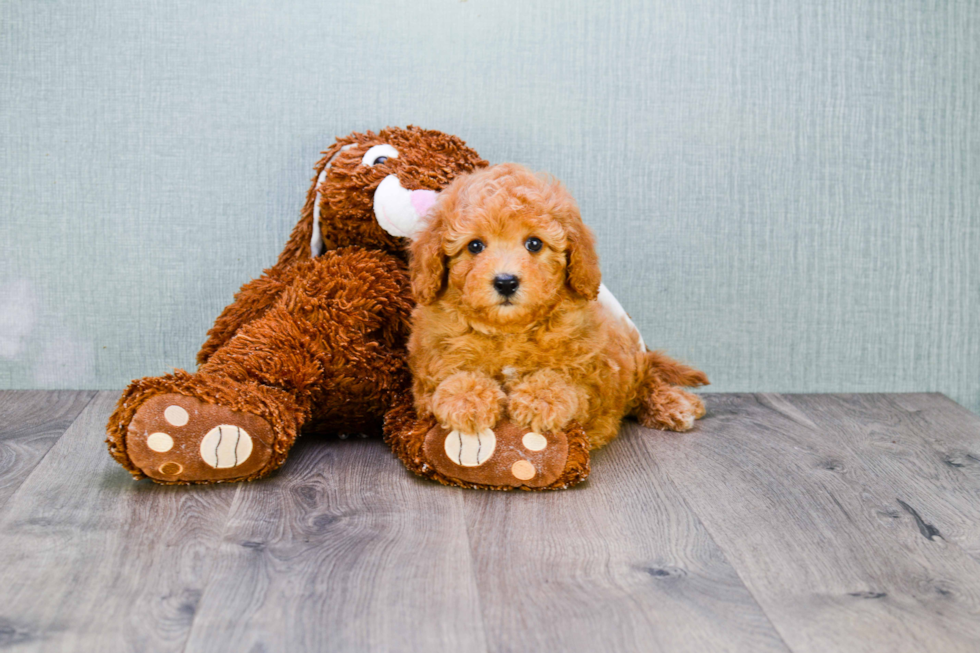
(318, 341)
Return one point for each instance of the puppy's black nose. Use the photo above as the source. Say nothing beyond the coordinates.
(506, 284)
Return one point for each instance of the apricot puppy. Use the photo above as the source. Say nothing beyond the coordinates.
(506, 278)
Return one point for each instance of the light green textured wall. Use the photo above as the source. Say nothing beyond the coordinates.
(786, 193)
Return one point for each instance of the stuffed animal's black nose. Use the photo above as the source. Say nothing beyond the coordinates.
(506, 284)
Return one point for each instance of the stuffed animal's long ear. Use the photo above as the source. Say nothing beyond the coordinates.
(583, 271)
(427, 263)
(299, 247)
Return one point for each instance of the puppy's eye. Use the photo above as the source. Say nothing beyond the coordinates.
(476, 246)
(379, 154)
(533, 244)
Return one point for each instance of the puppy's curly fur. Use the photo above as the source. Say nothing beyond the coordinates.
(544, 353)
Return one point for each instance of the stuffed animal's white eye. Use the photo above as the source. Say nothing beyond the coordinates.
(379, 154)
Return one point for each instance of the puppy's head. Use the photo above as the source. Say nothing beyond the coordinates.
(504, 246)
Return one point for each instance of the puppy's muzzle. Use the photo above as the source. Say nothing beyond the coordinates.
(506, 284)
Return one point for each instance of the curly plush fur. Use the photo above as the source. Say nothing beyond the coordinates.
(545, 355)
(313, 343)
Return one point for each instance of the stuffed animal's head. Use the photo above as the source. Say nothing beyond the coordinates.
(503, 247)
(372, 189)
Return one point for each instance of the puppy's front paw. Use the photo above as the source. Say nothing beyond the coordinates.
(468, 402)
(543, 402)
(670, 409)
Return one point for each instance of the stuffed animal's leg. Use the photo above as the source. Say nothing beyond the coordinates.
(325, 349)
(334, 340)
(235, 419)
(250, 303)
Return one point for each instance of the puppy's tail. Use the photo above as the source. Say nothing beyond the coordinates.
(667, 370)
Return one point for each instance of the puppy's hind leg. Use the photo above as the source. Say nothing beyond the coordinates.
(664, 406)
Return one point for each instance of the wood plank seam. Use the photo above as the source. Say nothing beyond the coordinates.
(92, 394)
(621, 565)
(925, 525)
(933, 597)
(212, 566)
(342, 535)
(488, 634)
(691, 506)
(952, 454)
(92, 529)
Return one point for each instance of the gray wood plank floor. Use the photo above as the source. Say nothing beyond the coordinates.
(31, 421)
(782, 523)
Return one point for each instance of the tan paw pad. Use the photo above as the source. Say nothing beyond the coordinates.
(226, 446)
(470, 449)
(160, 442)
(523, 470)
(534, 441)
(170, 469)
(176, 415)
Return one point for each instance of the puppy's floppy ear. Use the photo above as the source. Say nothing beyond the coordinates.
(427, 263)
(583, 271)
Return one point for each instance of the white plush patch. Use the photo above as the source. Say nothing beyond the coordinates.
(534, 441)
(176, 415)
(612, 305)
(226, 446)
(470, 449)
(394, 209)
(316, 240)
(523, 470)
(372, 154)
(160, 442)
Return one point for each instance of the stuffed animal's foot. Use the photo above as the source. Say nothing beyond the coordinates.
(669, 408)
(507, 456)
(187, 428)
(177, 438)
(503, 458)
